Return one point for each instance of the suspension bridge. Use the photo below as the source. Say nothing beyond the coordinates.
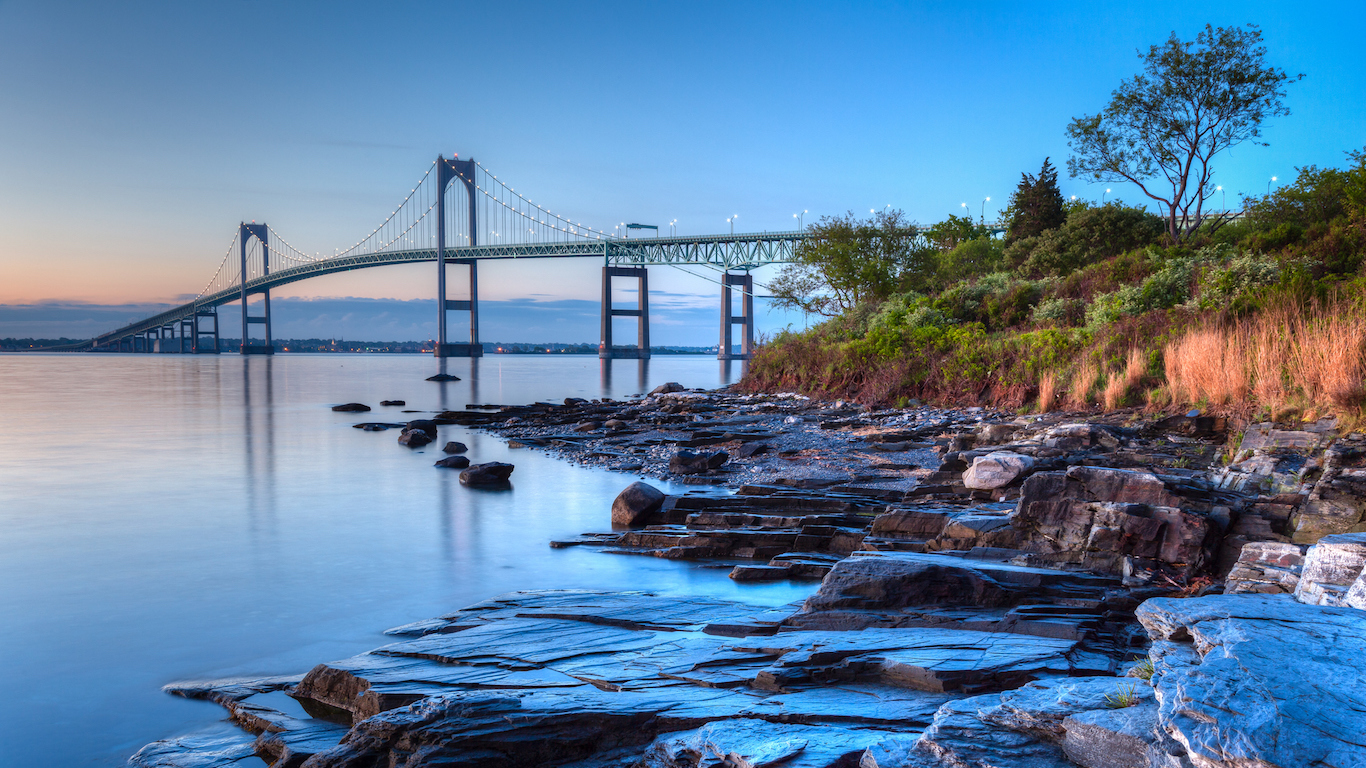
(467, 215)
(457, 215)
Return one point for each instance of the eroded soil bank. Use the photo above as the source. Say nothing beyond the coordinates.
(994, 591)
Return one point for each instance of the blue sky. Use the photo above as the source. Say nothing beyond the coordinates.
(134, 136)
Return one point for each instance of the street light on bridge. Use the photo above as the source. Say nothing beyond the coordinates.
(673, 229)
(985, 200)
(731, 222)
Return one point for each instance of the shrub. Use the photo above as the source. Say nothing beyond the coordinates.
(1090, 235)
(1237, 280)
(1165, 288)
(998, 300)
(1059, 311)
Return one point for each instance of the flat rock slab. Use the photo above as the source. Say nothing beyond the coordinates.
(870, 588)
(935, 660)
(1260, 679)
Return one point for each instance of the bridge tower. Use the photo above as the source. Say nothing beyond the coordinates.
(745, 318)
(260, 232)
(446, 172)
(642, 314)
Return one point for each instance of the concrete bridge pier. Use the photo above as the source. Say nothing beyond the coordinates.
(725, 349)
(606, 350)
(473, 348)
(199, 345)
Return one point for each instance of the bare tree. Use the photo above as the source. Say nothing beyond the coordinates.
(1164, 127)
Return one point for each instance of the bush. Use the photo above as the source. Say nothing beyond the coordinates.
(1059, 311)
(1090, 235)
(1165, 288)
(998, 300)
(1234, 284)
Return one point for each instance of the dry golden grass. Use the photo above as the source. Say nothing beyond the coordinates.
(1113, 393)
(1079, 393)
(1048, 391)
(1282, 358)
(1134, 368)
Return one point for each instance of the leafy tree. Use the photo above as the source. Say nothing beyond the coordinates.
(849, 261)
(1164, 127)
(1036, 206)
(949, 233)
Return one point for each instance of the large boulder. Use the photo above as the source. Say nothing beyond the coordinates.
(997, 470)
(687, 462)
(1103, 519)
(1330, 568)
(492, 473)
(454, 447)
(1272, 567)
(664, 389)
(636, 504)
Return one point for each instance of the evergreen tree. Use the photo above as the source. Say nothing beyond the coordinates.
(1036, 205)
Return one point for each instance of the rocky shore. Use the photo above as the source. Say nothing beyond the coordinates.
(995, 590)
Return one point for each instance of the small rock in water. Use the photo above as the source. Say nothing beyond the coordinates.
(393, 402)
(492, 473)
(351, 407)
(454, 462)
(454, 447)
(413, 438)
(418, 433)
(575, 401)
(443, 377)
(635, 504)
(373, 427)
(687, 462)
(664, 389)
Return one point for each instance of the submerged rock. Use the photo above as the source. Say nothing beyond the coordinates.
(351, 408)
(491, 473)
(454, 462)
(443, 377)
(636, 504)
(393, 402)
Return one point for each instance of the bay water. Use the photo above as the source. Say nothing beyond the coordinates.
(174, 517)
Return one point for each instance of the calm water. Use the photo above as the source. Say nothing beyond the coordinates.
(165, 517)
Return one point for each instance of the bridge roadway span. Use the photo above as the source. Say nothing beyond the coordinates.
(621, 257)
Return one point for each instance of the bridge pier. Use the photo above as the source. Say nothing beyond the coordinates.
(745, 318)
(199, 346)
(446, 172)
(262, 233)
(606, 350)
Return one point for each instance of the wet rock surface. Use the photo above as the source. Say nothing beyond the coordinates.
(489, 473)
(1014, 592)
